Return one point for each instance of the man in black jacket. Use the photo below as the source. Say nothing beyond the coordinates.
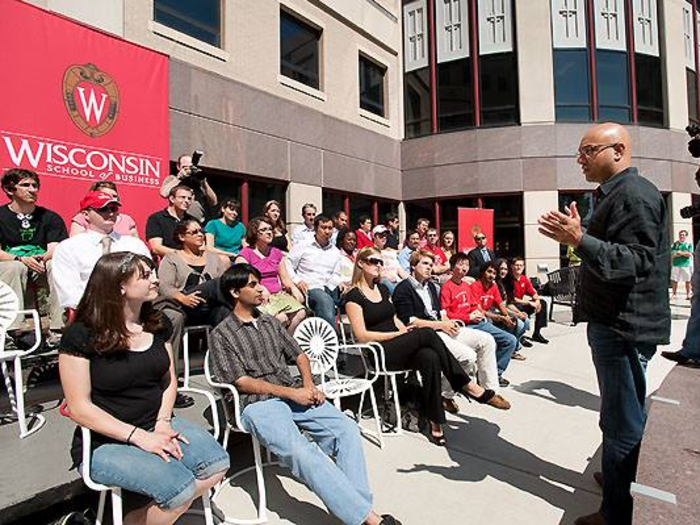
(417, 303)
(624, 297)
(479, 255)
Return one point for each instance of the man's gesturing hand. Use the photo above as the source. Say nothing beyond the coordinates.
(565, 228)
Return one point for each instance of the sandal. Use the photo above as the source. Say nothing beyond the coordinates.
(450, 405)
(518, 356)
(437, 440)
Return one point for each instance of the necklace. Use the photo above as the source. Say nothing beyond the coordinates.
(23, 218)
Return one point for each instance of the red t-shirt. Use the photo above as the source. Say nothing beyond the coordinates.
(523, 287)
(440, 257)
(487, 299)
(363, 239)
(457, 300)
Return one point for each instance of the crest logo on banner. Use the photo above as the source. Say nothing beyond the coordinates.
(92, 99)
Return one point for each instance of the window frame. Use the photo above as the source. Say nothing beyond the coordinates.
(411, 64)
(560, 40)
(490, 46)
(306, 23)
(441, 28)
(640, 44)
(366, 57)
(161, 27)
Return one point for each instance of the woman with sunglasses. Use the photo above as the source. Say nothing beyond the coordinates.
(280, 239)
(282, 299)
(373, 319)
(118, 378)
(225, 236)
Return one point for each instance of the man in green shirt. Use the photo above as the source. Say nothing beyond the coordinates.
(681, 254)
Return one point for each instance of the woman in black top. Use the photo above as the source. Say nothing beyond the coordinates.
(373, 318)
(118, 379)
(273, 211)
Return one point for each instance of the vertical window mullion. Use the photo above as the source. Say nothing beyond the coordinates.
(590, 13)
(474, 36)
(696, 59)
(433, 67)
(629, 14)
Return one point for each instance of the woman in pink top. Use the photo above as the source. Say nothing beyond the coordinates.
(124, 225)
(282, 298)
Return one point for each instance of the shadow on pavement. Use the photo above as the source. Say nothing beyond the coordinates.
(561, 393)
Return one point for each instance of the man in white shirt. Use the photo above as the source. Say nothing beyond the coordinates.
(74, 258)
(304, 234)
(315, 269)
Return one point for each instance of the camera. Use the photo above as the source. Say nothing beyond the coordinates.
(690, 211)
(693, 130)
(195, 170)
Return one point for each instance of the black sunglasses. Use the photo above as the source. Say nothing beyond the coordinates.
(375, 262)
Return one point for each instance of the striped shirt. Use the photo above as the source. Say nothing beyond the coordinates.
(258, 349)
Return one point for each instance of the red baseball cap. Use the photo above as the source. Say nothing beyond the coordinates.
(98, 200)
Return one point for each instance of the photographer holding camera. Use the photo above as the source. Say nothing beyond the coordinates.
(689, 354)
(191, 175)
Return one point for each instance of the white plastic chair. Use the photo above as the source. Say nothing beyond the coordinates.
(9, 310)
(233, 423)
(186, 349)
(319, 341)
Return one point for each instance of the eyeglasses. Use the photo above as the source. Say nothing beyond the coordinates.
(105, 210)
(480, 238)
(592, 150)
(264, 230)
(375, 261)
(194, 232)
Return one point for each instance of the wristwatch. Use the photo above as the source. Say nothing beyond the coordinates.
(18, 258)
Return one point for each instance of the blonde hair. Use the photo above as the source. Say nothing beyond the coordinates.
(364, 254)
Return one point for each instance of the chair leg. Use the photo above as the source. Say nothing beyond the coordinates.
(101, 507)
(260, 477)
(16, 397)
(206, 505)
(227, 434)
(359, 408)
(186, 359)
(117, 515)
(377, 419)
(397, 405)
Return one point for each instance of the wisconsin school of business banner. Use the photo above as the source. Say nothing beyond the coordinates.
(79, 106)
(471, 221)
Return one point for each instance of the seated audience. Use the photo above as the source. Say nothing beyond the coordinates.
(250, 350)
(459, 301)
(118, 380)
(422, 226)
(160, 226)
(373, 319)
(273, 211)
(340, 222)
(347, 243)
(392, 225)
(225, 236)
(442, 263)
(281, 298)
(364, 232)
(523, 295)
(392, 273)
(203, 196)
(189, 290)
(447, 244)
(315, 270)
(125, 225)
(417, 303)
(304, 233)
(479, 255)
(410, 245)
(522, 321)
(75, 258)
(28, 236)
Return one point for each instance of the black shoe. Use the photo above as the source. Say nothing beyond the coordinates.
(183, 401)
(678, 357)
(502, 381)
(526, 342)
(388, 519)
(539, 338)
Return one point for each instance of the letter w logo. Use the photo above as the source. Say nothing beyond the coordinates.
(91, 105)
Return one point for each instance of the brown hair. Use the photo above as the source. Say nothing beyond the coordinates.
(102, 307)
(181, 229)
(280, 226)
(100, 184)
(13, 176)
(251, 234)
(179, 187)
(417, 255)
(442, 240)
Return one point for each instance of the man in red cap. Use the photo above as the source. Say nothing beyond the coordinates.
(75, 257)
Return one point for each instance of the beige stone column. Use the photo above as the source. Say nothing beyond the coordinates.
(535, 67)
(402, 223)
(677, 223)
(297, 195)
(673, 65)
(541, 253)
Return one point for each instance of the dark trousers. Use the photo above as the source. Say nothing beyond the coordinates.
(424, 351)
(540, 318)
(621, 367)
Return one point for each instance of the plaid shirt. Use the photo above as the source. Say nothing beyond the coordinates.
(258, 349)
(624, 276)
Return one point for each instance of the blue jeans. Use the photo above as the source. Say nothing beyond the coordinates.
(506, 343)
(169, 484)
(691, 343)
(342, 485)
(620, 366)
(323, 302)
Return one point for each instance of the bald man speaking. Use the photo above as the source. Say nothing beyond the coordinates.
(623, 294)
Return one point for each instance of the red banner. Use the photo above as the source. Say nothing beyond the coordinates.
(471, 221)
(81, 106)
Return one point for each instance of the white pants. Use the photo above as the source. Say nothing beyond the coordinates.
(470, 346)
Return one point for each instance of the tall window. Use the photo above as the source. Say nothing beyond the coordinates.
(572, 85)
(372, 86)
(299, 50)
(690, 22)
(200, 19)
(417, 83)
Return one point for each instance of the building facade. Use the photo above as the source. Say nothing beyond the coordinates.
(420, 106)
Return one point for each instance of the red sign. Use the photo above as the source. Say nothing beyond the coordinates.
(471, 221)
(80, 106)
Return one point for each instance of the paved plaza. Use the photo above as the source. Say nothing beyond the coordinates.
(530, 465)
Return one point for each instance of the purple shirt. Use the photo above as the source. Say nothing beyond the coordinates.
(267, 266)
